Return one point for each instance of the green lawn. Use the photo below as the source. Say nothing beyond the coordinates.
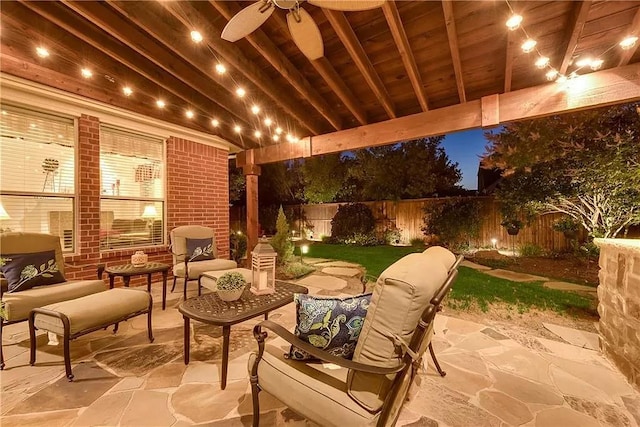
(472, 287)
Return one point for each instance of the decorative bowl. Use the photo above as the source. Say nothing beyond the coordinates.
(230, 295)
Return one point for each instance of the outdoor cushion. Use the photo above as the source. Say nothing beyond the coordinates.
(316, 390)
(199, 249)
(199, 267)
(332, 324)
(445, 256)
(28, 270)
(179, 237)
(89, 311)
(18, 305)
(24, 243)
(399, 297)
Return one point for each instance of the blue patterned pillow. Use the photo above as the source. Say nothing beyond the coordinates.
(199, 249)
(332, 324)
(26, 271)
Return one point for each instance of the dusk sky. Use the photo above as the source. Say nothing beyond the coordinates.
(465, 148)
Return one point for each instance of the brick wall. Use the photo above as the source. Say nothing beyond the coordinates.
(197, 193)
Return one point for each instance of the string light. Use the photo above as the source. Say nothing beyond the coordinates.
(196, 36)
(542, 62)
(513, 23)
(278, 130)
(276, 138)
(529, 45)
(86, 73)
(583, 62)
(190, 114)
(42, 52)
(596, 64)
(628, 42)
(241, 92)
(220, 68)
(257, 134)
(127, 91)
(160, 103)
(561, 79)
(552, 74)
(215, 123)
(268, 121)
(255, 109)
(237, 129)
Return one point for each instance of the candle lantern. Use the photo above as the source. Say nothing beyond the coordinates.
(263, 267)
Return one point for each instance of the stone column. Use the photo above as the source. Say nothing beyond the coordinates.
(619, 304)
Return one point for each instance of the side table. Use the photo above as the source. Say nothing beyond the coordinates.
(212, 310)
(126, 271)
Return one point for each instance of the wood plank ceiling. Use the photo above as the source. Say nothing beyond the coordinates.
(403, 58)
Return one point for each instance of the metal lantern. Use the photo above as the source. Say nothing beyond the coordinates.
(263, 268)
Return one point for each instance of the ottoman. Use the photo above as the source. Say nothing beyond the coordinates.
(73, 318)
(208, 278)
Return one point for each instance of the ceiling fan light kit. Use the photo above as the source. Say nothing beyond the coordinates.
(304, 31)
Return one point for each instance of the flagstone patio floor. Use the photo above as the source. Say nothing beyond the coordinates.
(493, 378)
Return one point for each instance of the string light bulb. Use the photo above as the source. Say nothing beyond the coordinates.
(190, 114)
(596, 64)
(237, 129)
(42, 52)
(257, 134)
(583, 62)
(276, 137)
(513, 23)
(196, 36)
(278, 130)
(542, 62)
(255, 109)
(628, 42)
(215, 123)
(220, 68)
(268, 121)
(160, 103)
(241, 92)
(127, 91)
(528, 45)
(86, 73)
(561, 79)
(551, 75)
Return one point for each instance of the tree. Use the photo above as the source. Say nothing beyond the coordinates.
(281, 242)
(237, 184)
(585, 165)
(323, 178)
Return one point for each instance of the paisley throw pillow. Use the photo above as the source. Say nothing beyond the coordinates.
(26, 271)
(199, 249)
(332, 324)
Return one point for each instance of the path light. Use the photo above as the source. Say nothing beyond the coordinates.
(263, 268)
(494, 242)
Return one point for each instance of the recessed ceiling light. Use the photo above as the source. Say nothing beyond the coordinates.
(86, 73)
(628, 42)
(596, 64)
(160, 103)
(528, 45)
(241, 92)
(255, 109)
(278, 130)
(220, 68)
(190, 114)
(551, 74)
(276, 137)
(268, 122)
(127, 91)
(196, 36)
(513, 23)
(237, 129)
(42, 52)
(257, 134)
(215, 123)
(542, 62)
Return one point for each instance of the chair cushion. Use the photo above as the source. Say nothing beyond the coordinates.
(199, 267)
(402, 292)
(18, 305)
(199, 249)
(26, 271)
(23, 243)
(332, 324)
(445, 256)
(179, 239)
(315, 390)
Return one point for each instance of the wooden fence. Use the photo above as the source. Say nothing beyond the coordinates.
(407, 215)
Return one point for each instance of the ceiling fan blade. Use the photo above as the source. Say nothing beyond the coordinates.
(306, 34)
(247, 21)
(348, 5)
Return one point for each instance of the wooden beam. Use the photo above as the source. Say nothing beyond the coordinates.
(490, 106)
(348, 37)
(191, 14)
(573, 32)
(634, 28)
(508, 65)
(281, 63)
(332, 78)
(607, 87)
(253, 224)
(78, 27)
(452, 35)
(394, 21)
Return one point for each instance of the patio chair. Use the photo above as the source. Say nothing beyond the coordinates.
(184, 264)
(371, 388)
(16, 305)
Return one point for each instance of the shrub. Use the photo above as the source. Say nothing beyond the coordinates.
(329, 239)
(350, 220)
(281, 242)
(455, 221)
(529, 249)
(369, 239)
(417, 242)
(238, 245)
(230, 282)
(392, 235)
(566, 225)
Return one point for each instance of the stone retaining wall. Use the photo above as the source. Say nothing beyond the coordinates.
(619, 304)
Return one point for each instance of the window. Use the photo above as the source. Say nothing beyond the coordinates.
(37, 174)
(131, 188)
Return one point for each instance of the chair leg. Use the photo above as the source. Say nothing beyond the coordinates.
(256, 400)
(435, 361)
(186, 280)
(32, 340)
(174, 283)
(149, 330)
(1, 352)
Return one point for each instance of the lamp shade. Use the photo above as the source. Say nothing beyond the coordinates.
(150, 212)
(3, 212)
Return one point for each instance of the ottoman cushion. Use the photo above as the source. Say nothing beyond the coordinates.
(209, 277)
(198, 267)
(94, 310)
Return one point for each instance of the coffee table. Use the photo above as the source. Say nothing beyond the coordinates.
(126, 271)
(212, 310)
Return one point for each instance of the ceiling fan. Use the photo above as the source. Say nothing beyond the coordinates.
(304, 30)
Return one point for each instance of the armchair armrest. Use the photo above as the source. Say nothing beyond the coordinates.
(314, 351)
